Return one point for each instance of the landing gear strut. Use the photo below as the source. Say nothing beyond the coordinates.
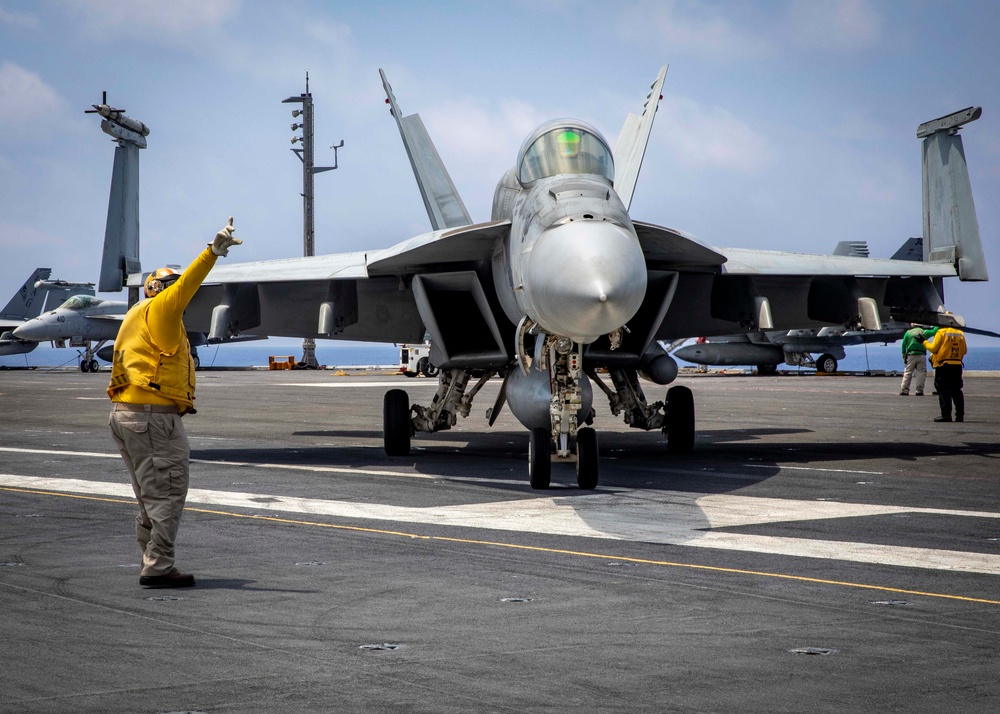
(675, 417)
(450, 402)
(88, 363)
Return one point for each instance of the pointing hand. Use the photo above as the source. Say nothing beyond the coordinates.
(224, 239)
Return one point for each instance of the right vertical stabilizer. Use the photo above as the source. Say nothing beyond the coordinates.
(951, 230)
(444, 206)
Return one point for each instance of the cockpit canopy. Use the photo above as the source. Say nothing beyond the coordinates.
(564, 146)
(79, 302)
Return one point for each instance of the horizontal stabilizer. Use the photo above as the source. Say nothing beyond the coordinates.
(631, 144)
(444, 206)
(857, 248)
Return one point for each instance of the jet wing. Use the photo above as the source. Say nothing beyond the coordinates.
(673, 248)
(353, 296)
(423, 253)
(742, 261)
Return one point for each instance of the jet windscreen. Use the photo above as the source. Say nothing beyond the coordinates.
(564, 148)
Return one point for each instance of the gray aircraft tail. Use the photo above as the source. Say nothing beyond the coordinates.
(631, 144)
(29, 300)
(951, 230)
(444, 206)
(121, 235)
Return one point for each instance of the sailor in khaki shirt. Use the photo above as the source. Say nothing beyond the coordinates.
(152, 387)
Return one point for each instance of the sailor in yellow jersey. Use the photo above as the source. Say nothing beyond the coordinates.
(152, 387)
(947, 348)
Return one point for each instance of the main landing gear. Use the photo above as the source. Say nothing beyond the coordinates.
(88, 362)
(565, 440)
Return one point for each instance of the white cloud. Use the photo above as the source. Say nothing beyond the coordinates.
(478, 142)
(842, 26)
(18, 19)
(711, 138)
(176, 17)
(691, 28)
(21, 89)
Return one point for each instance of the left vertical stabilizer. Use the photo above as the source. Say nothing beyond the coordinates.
(444, 206)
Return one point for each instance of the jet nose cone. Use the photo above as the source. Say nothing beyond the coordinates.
(28, 330)
(586, 278)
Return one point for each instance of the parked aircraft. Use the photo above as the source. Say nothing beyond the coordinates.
(563, 281)
(28, 302)
(768, 349)
(84, 320)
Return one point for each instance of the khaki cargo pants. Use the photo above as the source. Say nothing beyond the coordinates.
(155, 449)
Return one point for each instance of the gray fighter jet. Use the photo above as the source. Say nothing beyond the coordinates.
(767, 350)
(563, 283)
(89, 322)
(82, 320)
(35, 295)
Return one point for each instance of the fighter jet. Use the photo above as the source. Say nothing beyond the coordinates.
(27, 303)
(563, 285)
(82, 319)
(767, 350)
(89, 322)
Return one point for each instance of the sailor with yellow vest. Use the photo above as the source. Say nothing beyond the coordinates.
(152, 387)
(947, 348)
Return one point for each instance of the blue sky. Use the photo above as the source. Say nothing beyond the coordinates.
(784, 125)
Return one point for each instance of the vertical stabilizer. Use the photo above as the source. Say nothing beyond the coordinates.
(444, 206)
(631, 144)
(951, 230)
(28, 301)
(121, 235)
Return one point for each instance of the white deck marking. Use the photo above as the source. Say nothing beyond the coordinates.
(667, 517)
(346, 383)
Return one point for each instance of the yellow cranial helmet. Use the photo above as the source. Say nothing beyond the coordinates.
(160, 279)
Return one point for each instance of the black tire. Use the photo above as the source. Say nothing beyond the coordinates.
(84, 365)
(422, 366)
(431, 370)
(95, 366)
(539, 458)
(680, 421)
(766, 370)
(586, 459)
(197, 361)
(827, 364)
(396, 429)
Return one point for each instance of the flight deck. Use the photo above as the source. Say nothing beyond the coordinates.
(826, 547)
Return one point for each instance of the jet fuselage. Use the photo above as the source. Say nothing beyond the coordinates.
(571, 262)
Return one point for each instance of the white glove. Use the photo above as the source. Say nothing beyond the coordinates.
(224, 239)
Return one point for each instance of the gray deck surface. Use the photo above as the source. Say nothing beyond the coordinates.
(817, 514)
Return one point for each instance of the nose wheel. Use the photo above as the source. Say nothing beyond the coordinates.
(539, 458)
(586, 459)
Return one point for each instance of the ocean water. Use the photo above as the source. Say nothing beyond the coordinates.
(335, 353)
